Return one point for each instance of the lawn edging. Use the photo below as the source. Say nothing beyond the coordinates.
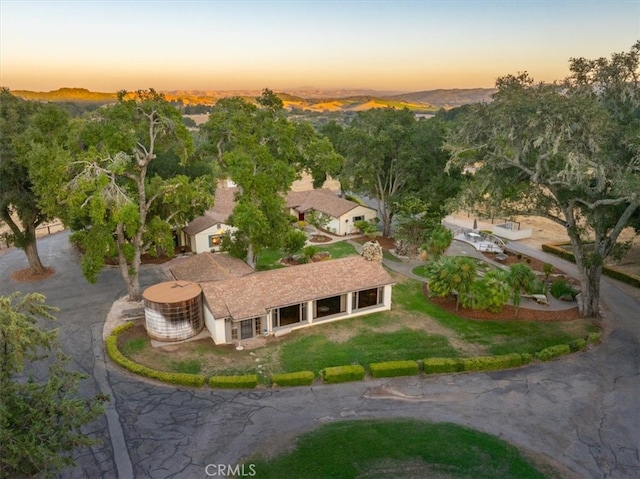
(181, 379)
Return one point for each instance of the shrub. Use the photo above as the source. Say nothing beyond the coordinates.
(341, 374)
(441, 365)
(122, 328)
(577, 345)
(183, 379)
(247, 381)
(301, 378)
(490, 363)
(560, 288)
(392, 369)
(593, 338)
(310, 250)
(526, 358)
(553, 352)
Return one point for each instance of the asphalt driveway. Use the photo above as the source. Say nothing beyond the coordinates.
(581, 412)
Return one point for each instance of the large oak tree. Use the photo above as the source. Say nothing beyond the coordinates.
(263, 152)
(111, 203)
(567, 151)
(25, 127)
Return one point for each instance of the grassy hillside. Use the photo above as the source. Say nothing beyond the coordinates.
(79, 95)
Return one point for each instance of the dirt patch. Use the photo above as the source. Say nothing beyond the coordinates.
(26, 276)
(318, 238)
(386, 242)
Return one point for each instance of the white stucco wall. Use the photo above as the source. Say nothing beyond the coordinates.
(200, 241)
(217, 327)
(346, 220)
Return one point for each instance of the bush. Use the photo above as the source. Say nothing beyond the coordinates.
(577, 345)
(301, 378)
(248, 381)
(553, 352)
(593, 338)
(183, 379)
(342, 374)
(392, 369)
(491, 363)
(310, 250)
(441, 365)
(560, 288)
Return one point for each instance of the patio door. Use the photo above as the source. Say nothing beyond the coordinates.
(246, 329)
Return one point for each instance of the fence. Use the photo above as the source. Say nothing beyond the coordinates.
(41, 231)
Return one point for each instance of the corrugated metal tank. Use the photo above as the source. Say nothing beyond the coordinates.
(173, 310)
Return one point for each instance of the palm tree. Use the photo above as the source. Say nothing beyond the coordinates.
(438, 242)
(451, 275)
(520, 279)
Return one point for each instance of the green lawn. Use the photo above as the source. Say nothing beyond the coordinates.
(407, 332)
(371, 448)
(500, 337)
(315, 352)
(268, 259)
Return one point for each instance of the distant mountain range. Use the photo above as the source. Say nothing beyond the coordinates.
(305, 98)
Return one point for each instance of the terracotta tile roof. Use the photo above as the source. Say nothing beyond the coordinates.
(253, 295)
(205, 267)
(223, 205)
(322, 200)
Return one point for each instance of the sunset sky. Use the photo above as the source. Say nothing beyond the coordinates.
(382, 45)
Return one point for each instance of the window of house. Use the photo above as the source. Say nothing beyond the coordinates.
(367, 298)
(288, 315)
(246, 329)
(214, 241)
(358, 218)
(330, 306)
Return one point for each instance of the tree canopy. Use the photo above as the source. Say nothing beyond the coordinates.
(40, 421)
(114, 207)
(566, 151)
(390, 155)
(24, 128)
(263, 153)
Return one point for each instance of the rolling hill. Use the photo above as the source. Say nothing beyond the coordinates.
(304, 98)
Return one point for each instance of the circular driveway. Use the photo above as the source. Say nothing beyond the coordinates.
(581, 412)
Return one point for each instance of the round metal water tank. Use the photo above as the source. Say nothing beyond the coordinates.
(173, 310)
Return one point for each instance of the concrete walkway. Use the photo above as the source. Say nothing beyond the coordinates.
(580, 413)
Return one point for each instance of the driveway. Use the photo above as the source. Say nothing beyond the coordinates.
(580, 412)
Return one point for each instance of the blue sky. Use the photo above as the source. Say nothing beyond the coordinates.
(382, 45)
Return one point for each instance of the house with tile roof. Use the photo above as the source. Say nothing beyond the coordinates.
(342, 213)
(205, 232)
(240, 304)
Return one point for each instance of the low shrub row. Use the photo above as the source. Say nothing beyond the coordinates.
(301, 378)
(181, 379)
(342, 374)
(478, 363)
(356, 372)
(558, 250)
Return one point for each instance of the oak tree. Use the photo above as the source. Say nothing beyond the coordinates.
(566, 151)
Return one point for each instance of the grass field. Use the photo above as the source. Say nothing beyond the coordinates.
(410, 449)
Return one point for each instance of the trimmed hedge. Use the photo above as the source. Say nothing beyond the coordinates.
(441, 365)
(392, 369)
(342, 374)
(182, 379)
(553, 352)
(248, 381)
(558, 250)
(300, 378)
(491, 363)
(577, 345)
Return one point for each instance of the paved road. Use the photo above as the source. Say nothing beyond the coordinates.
(580, 412)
